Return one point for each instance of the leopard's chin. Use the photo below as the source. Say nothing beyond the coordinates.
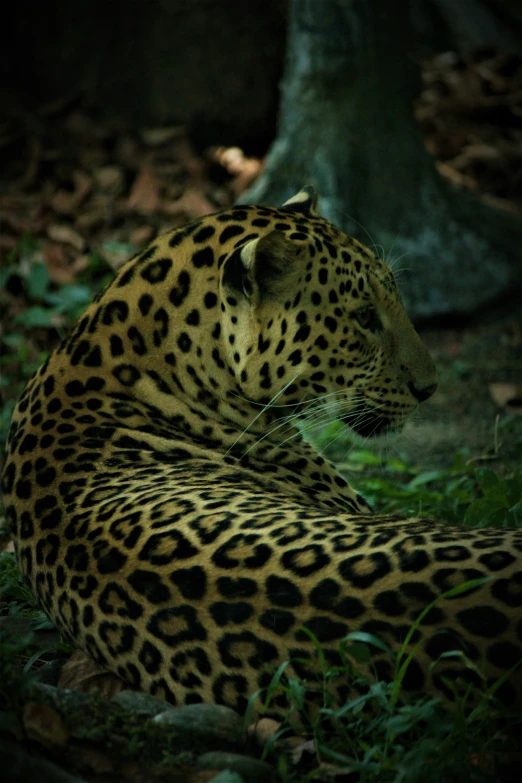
(368, 423)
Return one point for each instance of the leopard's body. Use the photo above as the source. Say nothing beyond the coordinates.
(169, 517)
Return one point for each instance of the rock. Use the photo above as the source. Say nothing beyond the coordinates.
(211, 724)
(228, 777)
(251, 770)
(141, 703)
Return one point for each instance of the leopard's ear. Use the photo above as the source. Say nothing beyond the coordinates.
(303, 201)
(262, 267)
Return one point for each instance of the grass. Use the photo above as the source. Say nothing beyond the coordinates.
(466, 491)
(23, 650)
(384, 735)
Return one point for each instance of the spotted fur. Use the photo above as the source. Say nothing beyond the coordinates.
(170, 518)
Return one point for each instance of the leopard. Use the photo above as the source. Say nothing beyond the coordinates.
(176, 524)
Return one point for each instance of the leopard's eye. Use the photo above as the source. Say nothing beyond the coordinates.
(367, 318)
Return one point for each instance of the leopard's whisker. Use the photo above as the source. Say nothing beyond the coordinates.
(263, 410)
(290, 404)
(293, 419)
(288, 423)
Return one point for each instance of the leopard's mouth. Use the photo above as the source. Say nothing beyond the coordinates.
(367, 422)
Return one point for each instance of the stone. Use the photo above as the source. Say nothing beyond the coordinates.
(141, 703)
(251, 770)
(211, 724)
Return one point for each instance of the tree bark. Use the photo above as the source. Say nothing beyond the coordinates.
(346, 126)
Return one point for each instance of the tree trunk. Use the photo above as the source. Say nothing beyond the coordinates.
(346, 126)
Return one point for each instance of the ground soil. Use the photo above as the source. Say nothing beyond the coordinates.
(471, 360)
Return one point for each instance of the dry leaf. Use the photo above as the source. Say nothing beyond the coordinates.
(141, 235)
(109, 179)
(8, 546)
(95, 213)
(456, 176)
(80, 264)
(297, 748)
(507, 396)
(192, 163)
(80, 673)
(263, 730)
(330, 773)
(231, 158)
(66, 202)
(62, 269)
(144, 195)
(44, 724)
(501, 203)
(82, 185)
(63, 202)
(30, 220)
(63, 233)
(8, 242)
(193, 204)
(155, 137)
(249, 173)
(56, 261)
(243, 170)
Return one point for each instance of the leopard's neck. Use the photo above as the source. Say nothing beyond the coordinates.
(288, 462)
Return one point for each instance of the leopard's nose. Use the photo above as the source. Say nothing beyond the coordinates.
(422, 393)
